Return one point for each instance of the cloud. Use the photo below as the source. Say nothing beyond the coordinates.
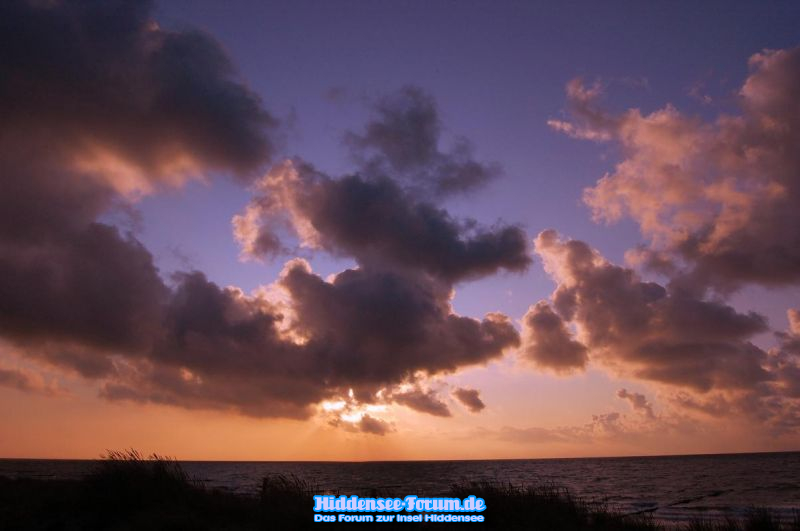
(99, 106)
(388, 323)
(470, 398)
(402, 140)
(360, 330)
(108, 91)
(381, 326)
(93, 287)
(645, 330)
(374, 426)
(548, 342)
(720, 196)
(422, 401)
(591, 122)
(697, 349)
(774, 405)
(355, 419)
(714, 406)
(794, 321)
(376, 221)
(602, 426)
(785, 357)
(637, 401)
(24, 380)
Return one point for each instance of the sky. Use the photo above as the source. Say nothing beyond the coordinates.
(399, 230)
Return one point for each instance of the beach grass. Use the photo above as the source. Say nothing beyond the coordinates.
(128, 491)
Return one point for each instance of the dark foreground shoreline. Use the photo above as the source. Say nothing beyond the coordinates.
(128, 492)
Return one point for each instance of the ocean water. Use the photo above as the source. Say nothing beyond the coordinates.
(674, 488)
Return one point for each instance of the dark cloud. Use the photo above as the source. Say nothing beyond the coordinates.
(403, 141)
(217, 348)
(362, 330)
(93, 286)
(720, 196)
(699, 348)
(366, 423)
(470, 398)
(422, 401)
(547, 341)
(714, 406)
(99, 82)
(25, 381)
(373, 425)
(774, 405)
(645, 330)
(98, 105)
(378, 326)
(637, 401)
(389, 321)
(101, 106)
(378, 223)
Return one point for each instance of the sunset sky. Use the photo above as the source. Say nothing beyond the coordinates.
(358, 230)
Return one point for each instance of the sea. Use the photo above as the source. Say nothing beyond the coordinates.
(671, 488)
